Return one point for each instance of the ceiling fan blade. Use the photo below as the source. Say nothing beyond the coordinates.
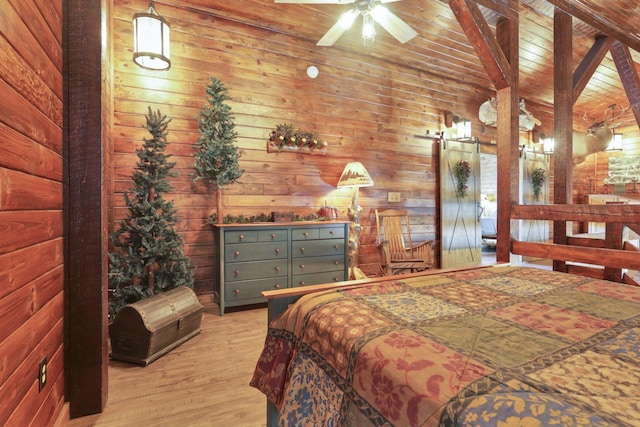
(318, 1)
(331, 36)
(393, 24)
(342, 25)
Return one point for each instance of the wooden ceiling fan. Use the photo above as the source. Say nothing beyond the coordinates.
(371, 10)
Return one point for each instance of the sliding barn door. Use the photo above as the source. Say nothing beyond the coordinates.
(534, 164)
(460, 222)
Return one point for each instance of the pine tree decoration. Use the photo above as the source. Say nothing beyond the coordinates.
(147, 256)
(216, 155)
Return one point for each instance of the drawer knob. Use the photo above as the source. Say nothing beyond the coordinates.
(336, 246)
(277, 286)
(273, 235)
(302, 266)
(301, 283)
(237, 272)
(237, 291)
(337, 262)
(236, 253)
(331, 232)
(301, 249)
(277, 268)
(336, 279)
(277, 250)
(305, 234)
(241, 236)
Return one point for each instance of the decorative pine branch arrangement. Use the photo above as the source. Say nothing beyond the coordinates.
(147, 256)
(537, 181)
(462, 171)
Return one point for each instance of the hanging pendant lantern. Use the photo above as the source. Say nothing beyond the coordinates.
(151, 40)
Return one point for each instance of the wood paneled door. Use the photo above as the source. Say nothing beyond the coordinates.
(460, 222)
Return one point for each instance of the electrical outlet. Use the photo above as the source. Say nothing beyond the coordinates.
(393, 197)
(42, 373)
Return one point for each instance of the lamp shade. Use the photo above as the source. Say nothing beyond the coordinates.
(355, 175)
(151, 40)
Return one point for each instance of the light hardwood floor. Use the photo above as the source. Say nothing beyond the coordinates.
(203, 382)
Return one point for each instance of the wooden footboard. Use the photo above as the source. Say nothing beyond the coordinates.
(279, 299)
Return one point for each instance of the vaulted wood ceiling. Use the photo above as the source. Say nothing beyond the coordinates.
(442, 48)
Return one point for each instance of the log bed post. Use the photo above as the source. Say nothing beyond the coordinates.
(563, 122)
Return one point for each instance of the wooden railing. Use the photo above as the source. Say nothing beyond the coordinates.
(599, 258)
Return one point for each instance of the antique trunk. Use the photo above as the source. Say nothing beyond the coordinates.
(144, 331)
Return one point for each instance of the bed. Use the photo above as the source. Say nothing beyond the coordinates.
(497, 346)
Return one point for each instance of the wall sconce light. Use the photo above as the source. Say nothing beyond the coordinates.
(616, 142)
(151, 40)
(548, 145)
(463, 127)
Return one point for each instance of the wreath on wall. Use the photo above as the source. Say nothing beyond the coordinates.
(462, 171)
(285, 138)
(537, 181)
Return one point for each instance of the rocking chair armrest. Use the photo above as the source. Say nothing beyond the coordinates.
(424, 251)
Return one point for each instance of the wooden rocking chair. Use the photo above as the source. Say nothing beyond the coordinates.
(398, 257)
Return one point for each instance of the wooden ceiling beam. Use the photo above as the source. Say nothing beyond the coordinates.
(598, 21)
(509, 11)
(628, 75)
(589, 64)
(484, 43)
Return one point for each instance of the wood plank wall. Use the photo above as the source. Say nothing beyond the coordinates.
(31, 211)
(367, 110)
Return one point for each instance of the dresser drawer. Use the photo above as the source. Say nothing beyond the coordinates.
(317, 278)
(238, 252)
(319, 264)
(279, 235)
(331, 232)
(250, 289)
(305, 233)
(240, 236)
(301, 248)
(235, 271)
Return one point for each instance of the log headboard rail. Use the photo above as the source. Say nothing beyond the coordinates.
(606, 258)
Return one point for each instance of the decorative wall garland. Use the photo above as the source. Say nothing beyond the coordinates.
(285, 138)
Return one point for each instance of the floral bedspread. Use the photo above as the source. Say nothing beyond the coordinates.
(509, 346)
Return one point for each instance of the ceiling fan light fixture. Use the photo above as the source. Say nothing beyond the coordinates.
(368, 28)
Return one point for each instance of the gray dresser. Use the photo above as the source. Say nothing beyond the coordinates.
(251, 258)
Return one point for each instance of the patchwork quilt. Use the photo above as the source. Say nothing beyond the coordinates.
(508, 346)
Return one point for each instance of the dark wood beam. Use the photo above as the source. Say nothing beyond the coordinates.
(600, 22)
(484, 43)
(86, 267)
(563, 121)
(508, 150)
(589, 64)
(628, 75)
(507, 9)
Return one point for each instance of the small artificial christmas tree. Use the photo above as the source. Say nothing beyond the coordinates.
(216, 155)
(148, 255)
